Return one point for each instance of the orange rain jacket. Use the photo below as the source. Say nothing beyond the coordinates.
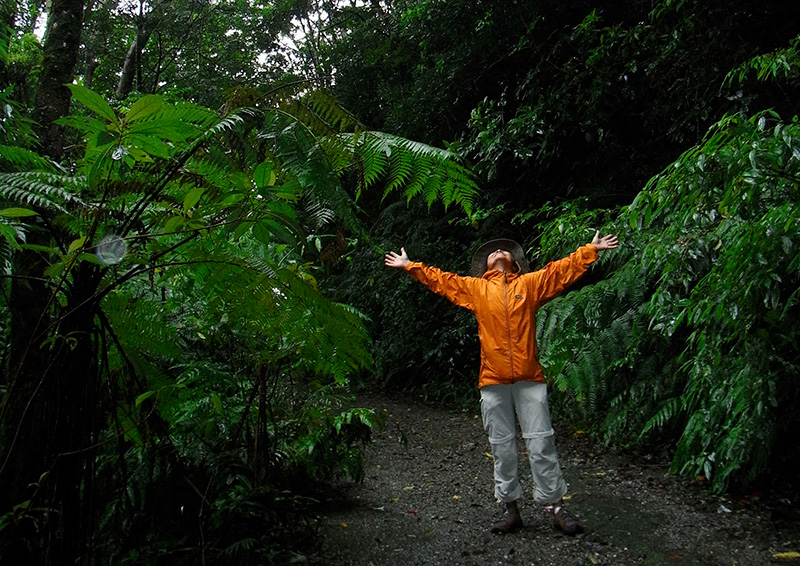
(505, 306)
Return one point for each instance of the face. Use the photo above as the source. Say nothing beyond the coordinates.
(501, 260)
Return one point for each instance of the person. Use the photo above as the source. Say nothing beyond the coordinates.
(504, 296)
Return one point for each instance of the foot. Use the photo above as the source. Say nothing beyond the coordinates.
(509, 522)
(565, 523)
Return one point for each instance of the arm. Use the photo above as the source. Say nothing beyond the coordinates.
(550, 281)
(455, 288)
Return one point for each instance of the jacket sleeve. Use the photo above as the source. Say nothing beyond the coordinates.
(459, 290)
(553, 278)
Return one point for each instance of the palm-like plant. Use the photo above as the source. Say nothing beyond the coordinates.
(167, 282)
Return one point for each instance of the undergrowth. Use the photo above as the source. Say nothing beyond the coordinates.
(693, 331)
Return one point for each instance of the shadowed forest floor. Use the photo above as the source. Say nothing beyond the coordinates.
(427, 499)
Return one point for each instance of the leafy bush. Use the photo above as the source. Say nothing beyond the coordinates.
(695, 334)
(190, 366)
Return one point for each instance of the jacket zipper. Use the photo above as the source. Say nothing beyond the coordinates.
(508, 327)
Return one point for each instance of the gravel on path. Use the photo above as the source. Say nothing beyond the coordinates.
(427, 498)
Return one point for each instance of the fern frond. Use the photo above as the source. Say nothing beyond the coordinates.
(13, 158)
(420, 168)
(47, 191)
(670, 409)
(285, 313)
(141, 326)
(334, 115)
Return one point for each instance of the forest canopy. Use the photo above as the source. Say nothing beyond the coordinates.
(195, 201)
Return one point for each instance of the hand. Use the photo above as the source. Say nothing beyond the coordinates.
(397, 261)
(608, 242)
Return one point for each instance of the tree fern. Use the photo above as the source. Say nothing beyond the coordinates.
(205, 340)
(422, 170)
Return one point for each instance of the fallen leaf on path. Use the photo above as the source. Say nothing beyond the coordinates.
(456, 497)
(786, 556)
(488, 455)
(344, 525)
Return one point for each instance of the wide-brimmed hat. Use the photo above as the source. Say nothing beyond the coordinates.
(482, 253)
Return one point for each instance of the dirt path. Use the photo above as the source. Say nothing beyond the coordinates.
(430, 502)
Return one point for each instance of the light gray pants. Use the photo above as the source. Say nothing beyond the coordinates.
(529, 401)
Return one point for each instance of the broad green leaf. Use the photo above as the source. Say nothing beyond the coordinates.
(139, 155)
(264, 175)
(91, 258)
(100, 139)
(192, 198)
(287, 191)
(85, 124)
(77, 244)
(55, 270)
(16, 212)
(141, 398)
(217, 403)
(93, 101)
(241, 229)
(174, 224)
(150, 144)
(38, 248)
(10, 235)
(169, 129)
(144, 107)
(231, 199)
(100, 166)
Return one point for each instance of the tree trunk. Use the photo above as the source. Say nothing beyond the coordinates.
(89, 41)
(49, 416)
(7, 17)
(51, 422)
(131, 68)
(60, 56)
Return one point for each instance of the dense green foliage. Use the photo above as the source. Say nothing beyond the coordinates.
(555, 99)
(607, 102)
(694, 333)
(180, 263)
(190, 292)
